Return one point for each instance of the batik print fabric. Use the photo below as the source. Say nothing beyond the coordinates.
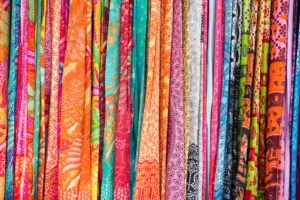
(195, 10)
(275, 143)
(175, 157)
(12, 92)
(295, 123)
(223, 130)
(217, 85)
(122, 158)
(140, 16)
(4, 67)
(263, 99)
(75, 136)
(252, 167)
(240, 184)
(111, 97)
(148, 168)
(22, 183)
(139, 71)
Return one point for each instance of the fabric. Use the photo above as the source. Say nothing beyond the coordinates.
(140, 16)
(223, 130)
(263, 100)
(111, 99)
(252, 167)
(122, 159)
(175, 156)
(195, 106)
(218, 70)
(148, 168)
(12, 93)
(276, 98)
(240, 185)
(4, 67)
(22, 182)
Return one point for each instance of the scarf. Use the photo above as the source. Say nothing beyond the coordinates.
(218, 70)
(165, 62)
(263, 100)
(95, 120)
(111, 98)
(175, 158)
(223, 131)
(122, 160)
(195, 69)
(240, 183)
(22, 177)
(12, 93)
(275, 143)
(4, 66)
(140, 9)
(148, 168)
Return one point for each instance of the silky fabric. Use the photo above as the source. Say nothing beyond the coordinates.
(148, 168)
(75, 130)
(22, 183)
(223, 130)
(122, 159)
(175, 156)
(263, 99)
(195, 135)
(111, 98)
(275, 143)
(12, 92)
(140, 16)
(240, 184)
(4, 67)
(217, 85)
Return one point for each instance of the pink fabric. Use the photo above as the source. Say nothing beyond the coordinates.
(217, 90)
(175, 157)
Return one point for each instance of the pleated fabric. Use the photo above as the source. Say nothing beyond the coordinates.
(275, 140)
(4, 67)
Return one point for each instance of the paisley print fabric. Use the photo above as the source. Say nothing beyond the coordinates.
(195, 135)
(223, 130)
(175, 156)
(4, 67)
(275, 143)
(217, 84)
(148, 168)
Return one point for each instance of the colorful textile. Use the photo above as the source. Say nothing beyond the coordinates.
(223, 130)
(217, 85)
(4, 67)
(175, 155)
(275, 143)
(122, 159)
